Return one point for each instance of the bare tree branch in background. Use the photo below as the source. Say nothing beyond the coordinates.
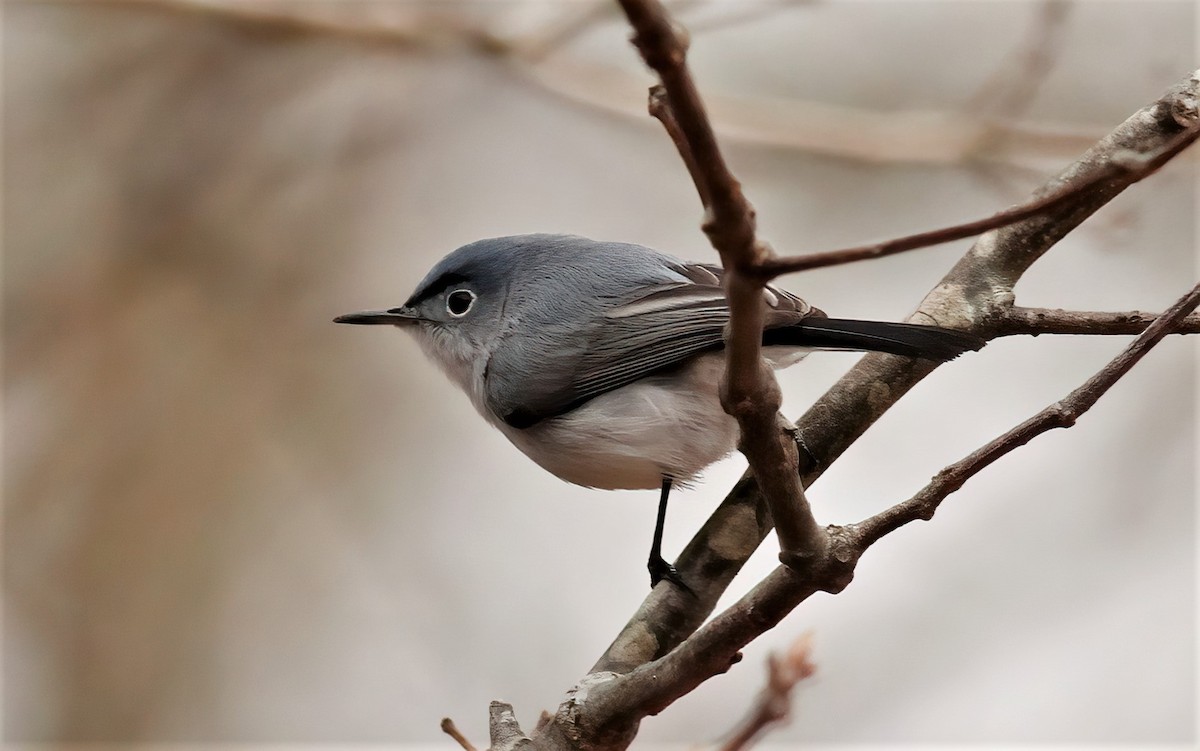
(773, 705)
(650, 688)
(1012, 88)
(916, 136)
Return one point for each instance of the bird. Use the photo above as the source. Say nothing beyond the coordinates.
(601, 361)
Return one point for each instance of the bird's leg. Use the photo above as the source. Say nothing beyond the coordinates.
(659, 568)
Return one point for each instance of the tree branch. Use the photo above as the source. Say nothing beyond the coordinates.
(708, 652)
(1131, 168)
(749, 391)
(654, 661)
(977, 293)
(1035, 321)
(1061, 414)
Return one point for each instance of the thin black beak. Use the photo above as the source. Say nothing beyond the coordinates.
(395, 317)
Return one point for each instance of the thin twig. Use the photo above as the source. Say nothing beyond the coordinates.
(774, 703)
(450, 729)
(660, 109)
(1010, 90)
(1131, 168)
(1061, 414)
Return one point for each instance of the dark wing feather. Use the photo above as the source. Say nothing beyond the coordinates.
(664, 326)
(668, 326)
(907, 339)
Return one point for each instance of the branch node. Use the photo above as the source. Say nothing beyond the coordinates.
(734, 659)
(830, 567)
(663, 46)
(841, 558)
(1062, 414)
(1184, 108)
(744, 403)
(683, 41)
(803, 562)
(926, 511)
(656, 101)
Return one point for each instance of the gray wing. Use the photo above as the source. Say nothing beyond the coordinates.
(664, 325)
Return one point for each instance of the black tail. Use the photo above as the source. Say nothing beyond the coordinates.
(907, 339)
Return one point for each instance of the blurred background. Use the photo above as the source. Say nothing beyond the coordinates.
(227, 519)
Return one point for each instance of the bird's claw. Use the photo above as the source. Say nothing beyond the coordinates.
(661, 570)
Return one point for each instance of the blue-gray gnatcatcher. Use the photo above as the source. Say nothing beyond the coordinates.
(601, 360)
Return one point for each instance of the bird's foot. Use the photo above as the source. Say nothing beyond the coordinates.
(661, 570)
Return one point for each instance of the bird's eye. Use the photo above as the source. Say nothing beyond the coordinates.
(459, 302)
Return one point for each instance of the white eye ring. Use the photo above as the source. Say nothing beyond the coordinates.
(459, 302)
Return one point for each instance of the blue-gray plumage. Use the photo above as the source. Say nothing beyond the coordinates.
(601, 360)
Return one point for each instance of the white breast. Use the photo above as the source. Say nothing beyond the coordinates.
(666, 425)
(670, 425)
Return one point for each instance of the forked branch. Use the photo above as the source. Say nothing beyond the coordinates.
(749, 391)
(664, 652)
(1060, 414)
(977, 294)
(651, 687)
